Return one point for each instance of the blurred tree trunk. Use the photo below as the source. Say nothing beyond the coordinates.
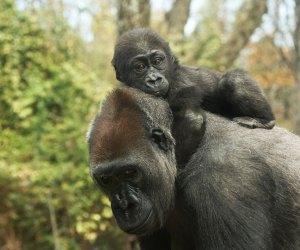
(248, 18)
(296, 92)
(136, 13)
(177, 17)
(132, 14)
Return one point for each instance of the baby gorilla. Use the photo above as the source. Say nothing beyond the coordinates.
(143, 60)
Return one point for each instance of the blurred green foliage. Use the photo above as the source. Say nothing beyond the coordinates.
(50, 84)
(47, 96)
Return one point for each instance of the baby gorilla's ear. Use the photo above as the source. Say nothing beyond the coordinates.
(175, 61)
(118, 77)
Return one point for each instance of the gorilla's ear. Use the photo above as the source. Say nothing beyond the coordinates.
(175, 60)
(117, 74)
(159, 138)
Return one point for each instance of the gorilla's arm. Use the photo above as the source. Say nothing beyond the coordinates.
(242, 98)
(234, 95)
(188, 128)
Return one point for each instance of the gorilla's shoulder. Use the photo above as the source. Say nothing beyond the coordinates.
(229, 147)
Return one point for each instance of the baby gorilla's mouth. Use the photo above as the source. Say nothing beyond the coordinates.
(157, 94)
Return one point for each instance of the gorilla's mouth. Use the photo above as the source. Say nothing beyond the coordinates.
(136, 220)
(140, 228)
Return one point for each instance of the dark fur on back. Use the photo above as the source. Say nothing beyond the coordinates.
(243, 186)
(240, 190)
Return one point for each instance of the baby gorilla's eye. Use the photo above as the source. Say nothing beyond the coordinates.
(140, 67)
(157, 61)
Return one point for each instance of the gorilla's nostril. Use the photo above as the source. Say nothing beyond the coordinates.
(126, 205)
(151, 84)
(123, 204)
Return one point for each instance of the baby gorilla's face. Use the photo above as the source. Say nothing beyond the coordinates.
(143, 60)
(148, 72)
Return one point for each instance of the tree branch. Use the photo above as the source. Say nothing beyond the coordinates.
(177, 17)
(296, 92)
(53, 223)
(248, 18)
(132, 14)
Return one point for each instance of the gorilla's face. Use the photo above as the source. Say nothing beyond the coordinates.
(143, 60)
(132, 160)
(148, 72)
(140, 199)
(131, 203)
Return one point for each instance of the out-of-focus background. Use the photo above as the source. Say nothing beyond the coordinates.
(55, 68)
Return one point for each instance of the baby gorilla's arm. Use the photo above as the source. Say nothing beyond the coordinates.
(188, 129)
(242, 100)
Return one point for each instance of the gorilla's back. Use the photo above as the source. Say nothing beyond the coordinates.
(248, 176)
(276, 149)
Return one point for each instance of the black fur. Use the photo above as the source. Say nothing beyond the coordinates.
(240, 190)
(188, 89)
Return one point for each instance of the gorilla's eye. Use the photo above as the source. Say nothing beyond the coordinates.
(105, 179)
(160, 139)
(130, 173)
(140, 67)
(157, 61)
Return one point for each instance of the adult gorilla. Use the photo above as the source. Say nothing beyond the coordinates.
(240, 190)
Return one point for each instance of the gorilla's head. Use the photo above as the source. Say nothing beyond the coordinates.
(132, 159)
(143, 60)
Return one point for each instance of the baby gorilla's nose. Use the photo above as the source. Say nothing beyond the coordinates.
(153, 80)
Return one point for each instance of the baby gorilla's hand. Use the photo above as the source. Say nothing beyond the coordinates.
(188, 129)
(250, 122)
(194, 120)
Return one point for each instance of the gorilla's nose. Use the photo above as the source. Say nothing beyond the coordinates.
(153, 81)
(123, 204)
